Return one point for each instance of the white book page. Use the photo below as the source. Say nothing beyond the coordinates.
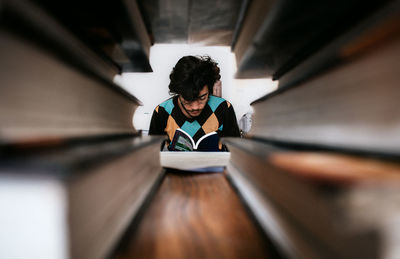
(33, 218)
(193, 160)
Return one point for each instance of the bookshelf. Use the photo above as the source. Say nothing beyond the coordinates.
(323, 148)
(73, 169)
(318, 172)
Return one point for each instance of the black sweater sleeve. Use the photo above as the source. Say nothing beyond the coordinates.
(231, 128)
(157, 124)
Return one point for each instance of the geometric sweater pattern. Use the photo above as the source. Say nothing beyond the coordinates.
(218, 115)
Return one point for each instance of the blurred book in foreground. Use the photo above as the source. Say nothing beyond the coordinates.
(319, 204)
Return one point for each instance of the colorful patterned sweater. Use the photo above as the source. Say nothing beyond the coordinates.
(218, 115)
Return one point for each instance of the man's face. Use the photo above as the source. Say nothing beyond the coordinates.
(194, 108)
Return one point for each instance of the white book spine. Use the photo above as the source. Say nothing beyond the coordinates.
(33, 221)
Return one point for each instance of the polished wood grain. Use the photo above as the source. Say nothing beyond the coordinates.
(196, 216)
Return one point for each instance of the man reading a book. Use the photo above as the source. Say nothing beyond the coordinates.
(193, 107)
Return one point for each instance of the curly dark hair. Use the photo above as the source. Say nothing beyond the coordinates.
(191, 74)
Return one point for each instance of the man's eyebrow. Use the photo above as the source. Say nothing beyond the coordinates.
(203, 95)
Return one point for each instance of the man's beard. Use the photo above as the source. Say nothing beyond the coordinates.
(194, 116)
(188, 112)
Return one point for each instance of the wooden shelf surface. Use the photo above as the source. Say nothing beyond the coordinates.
(195, 216)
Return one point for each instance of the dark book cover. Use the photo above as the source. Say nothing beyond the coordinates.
(182, 141)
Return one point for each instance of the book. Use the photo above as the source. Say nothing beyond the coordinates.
(371, 33)
(353, 106)
(316, 204)
(54, 86)
(195, 161)
(270, 45)
(204, 155)
(48, 99)
(47, 33)
(343, 97)
(118, 21)
(182, 141)
(75, 200)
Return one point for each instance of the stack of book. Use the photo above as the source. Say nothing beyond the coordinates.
(316, 204)
(73, 169)
(319, 168)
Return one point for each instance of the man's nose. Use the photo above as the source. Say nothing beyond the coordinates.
(195, 105)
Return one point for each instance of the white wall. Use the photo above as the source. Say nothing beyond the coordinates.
(152, 88)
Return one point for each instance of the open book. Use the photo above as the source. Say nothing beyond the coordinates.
(196, 161)
(182, 141)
